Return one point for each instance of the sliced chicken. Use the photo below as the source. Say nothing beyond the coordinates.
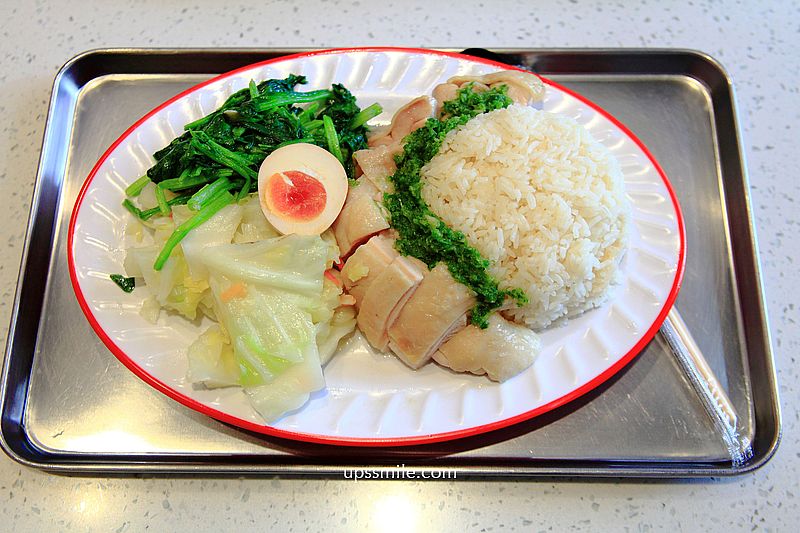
(436, 310)
(376, 133)
(366, 264)
(518, 93)
(407, 119)
(412, 126)
(362, 217)
(527, 86)
(385, 297)
(501, 351)
(523, 87)
(442, 93)
(383, 138)
(478, 86)
(378, 165)
(445, 91)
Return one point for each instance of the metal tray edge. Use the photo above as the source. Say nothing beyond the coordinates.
(21, 279)
(467, 470)
(759, 282)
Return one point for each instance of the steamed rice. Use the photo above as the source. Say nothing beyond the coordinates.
(539, 197)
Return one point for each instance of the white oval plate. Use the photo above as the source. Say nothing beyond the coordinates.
(372, 399)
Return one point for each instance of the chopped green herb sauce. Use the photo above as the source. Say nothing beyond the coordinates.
(422, 233)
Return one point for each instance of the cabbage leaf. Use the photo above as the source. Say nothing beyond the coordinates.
(270, 297)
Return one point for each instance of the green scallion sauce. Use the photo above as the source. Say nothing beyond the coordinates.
(423, 234)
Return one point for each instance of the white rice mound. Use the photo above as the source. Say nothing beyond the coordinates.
(540, 198)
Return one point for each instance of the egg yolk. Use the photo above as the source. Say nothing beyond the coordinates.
(295, 195)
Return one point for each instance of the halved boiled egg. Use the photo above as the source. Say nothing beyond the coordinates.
(302, 188)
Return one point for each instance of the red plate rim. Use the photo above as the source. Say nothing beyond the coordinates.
(357, 441)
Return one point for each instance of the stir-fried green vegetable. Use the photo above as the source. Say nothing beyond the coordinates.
(222, 151)
(124, 283)
(149, 213)
(422, 233)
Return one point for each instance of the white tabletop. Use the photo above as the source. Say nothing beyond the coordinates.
(758, 46)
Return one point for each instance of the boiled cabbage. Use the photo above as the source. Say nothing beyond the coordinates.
(254, 226)
(293, 263)
(219, 229)
(270, 297)
(211, 360)
(330, 332)
(291, 389)
(278, 316)
(172, 286)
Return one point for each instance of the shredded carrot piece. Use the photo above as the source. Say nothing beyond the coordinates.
(332, 275)
(237, 290)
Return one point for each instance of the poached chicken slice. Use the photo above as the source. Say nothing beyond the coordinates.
(362, 217)
(385, 297)
(407, 119)
(436, 310)
(366, 264)
(501, 351)
(523, 87)
(378, 165)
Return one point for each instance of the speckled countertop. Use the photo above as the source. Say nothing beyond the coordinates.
(757, 44)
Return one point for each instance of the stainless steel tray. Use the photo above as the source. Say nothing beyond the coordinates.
(68, 405)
